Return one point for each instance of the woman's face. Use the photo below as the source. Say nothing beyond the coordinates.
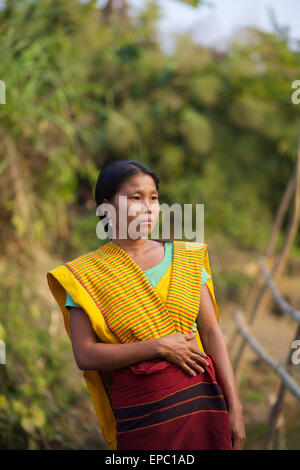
(136, 207)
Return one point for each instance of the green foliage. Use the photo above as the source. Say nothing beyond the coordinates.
(39, 391)
(231, 284)
(255, 396)
(221, 126)
(85, 86)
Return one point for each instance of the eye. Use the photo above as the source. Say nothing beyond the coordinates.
(135, 197)
(154, 197)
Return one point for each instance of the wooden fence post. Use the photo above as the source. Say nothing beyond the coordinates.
(276, 411)
(277, 268)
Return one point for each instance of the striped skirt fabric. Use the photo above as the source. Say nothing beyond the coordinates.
(159, 406)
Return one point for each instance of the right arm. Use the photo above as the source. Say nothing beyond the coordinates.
(90, 354)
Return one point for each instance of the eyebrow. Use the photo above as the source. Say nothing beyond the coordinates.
(141, 191)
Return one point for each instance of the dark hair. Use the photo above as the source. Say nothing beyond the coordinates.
(115, 173)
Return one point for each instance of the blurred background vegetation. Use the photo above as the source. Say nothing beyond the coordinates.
(85, 85)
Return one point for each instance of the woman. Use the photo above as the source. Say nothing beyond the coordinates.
(130, 308)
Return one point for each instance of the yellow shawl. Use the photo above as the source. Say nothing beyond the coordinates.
(95, 278)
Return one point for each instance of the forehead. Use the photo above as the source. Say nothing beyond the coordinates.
(139, 182)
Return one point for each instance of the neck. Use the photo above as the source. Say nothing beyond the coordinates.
(128, 244)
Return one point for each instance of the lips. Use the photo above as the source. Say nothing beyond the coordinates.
(147, 221)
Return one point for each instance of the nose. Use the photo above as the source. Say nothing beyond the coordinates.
(146, 206)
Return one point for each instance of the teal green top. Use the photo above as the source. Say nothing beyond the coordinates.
(153, 275)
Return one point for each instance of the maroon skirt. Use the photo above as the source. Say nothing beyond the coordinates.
(159, 406)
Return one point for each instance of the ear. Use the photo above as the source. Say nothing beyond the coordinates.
(105, 201)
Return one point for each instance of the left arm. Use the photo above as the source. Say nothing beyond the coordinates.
(214, 343)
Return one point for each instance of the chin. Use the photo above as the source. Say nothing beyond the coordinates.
(145, 230)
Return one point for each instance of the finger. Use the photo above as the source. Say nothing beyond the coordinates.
(240, 443)
(235, 443)
(190, 336)
(239, 438)
(200, 360)
(199, 352)
(188, 369)
(195, 366)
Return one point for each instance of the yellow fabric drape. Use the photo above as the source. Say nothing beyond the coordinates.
(162, 289)
(60, 280)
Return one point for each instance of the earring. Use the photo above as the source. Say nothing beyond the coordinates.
(110, 228)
